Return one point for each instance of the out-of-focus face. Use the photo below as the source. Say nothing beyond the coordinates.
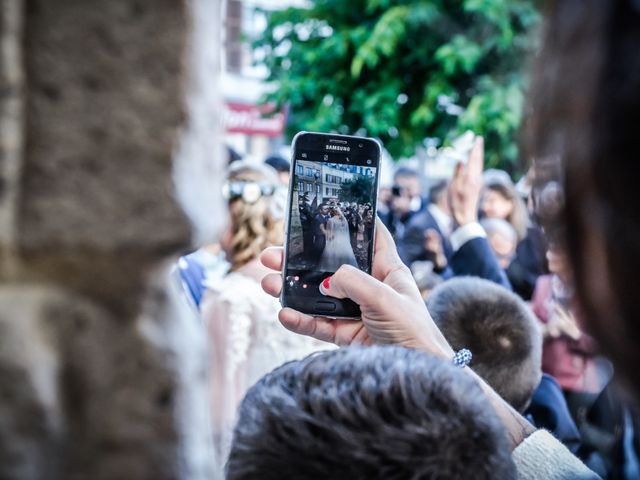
(558, 264)
(324, 210)
(494, 205)
(384, 196)
(503, 247)
(410, 186)
(283, 177)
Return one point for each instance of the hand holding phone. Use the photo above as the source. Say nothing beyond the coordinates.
(333, 179)
(393, 311)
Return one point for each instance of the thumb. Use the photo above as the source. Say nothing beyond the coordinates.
(350, 282)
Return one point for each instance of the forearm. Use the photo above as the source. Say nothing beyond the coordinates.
(517, 427)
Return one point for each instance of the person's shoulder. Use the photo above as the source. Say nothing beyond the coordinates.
(421, 219)
(239, 288)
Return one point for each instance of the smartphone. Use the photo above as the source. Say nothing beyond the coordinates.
(331, 217)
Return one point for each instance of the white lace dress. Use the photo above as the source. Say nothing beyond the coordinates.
(246, 342)
(338, 250)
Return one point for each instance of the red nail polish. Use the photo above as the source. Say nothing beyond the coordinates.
(326, 283)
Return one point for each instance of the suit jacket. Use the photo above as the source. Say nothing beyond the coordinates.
(529, 263)
(317, 221)
(548, 409)
(475, 258)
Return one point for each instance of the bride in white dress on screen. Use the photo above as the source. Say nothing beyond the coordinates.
(337, 250)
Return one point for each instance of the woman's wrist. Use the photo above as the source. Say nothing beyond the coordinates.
(439, 348)
(516, 426)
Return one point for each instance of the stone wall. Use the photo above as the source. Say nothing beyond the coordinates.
(107, 109)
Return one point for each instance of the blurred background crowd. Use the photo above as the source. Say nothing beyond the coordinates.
(392, 71)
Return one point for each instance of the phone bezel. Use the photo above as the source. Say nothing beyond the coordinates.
(344, 308)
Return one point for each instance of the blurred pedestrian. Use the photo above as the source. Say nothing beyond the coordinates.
(280, 165)
(501, 200)
(406, 200)
(245, 336)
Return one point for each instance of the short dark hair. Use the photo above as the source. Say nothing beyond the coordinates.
(499, 329)
(381, 412)
(437, 191)
(405, 172)
(278, 163)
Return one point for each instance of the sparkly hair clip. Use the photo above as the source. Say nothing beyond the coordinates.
(462, 358)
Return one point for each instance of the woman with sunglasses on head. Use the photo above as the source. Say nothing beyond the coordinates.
(246, 339)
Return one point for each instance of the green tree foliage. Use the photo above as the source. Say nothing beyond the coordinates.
(403, 70)
(359, 189)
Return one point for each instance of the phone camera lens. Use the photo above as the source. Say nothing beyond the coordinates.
(368, 162)
(360, 145)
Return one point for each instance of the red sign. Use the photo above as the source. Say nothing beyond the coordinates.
(254, 119)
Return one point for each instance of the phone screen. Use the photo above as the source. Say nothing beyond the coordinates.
(331, 218)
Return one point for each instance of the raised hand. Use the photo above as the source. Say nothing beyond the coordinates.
(433, 244)
(465, 186)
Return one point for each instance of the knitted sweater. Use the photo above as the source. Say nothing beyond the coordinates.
(542, 457)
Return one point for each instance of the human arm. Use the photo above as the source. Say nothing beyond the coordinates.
(472, 254)
(475, 258)
(433, 243)
(393, 312)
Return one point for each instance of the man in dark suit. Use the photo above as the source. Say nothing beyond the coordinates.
(426, 234)
(319, 232)
(405, 202)
(470, 253)
(306, 220)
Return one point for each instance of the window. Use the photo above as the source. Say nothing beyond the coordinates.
(309, 172)
(339, 179)
(318, 189)
(327, 190)
(326, 177)
(300, 186)
(299, 169)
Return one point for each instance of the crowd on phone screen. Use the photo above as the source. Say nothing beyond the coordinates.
(504, 287)
(335, 233)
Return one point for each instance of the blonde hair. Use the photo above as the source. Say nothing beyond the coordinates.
(253, 225)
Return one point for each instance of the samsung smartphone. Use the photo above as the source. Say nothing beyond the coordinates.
(331, 218)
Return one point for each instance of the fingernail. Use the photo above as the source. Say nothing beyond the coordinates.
(324, 286)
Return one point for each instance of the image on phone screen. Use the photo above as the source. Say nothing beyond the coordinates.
(331, 221)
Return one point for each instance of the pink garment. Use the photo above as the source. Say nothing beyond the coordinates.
(570, 362)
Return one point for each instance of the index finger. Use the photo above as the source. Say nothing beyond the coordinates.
(475, 164)
(272, 257)
(386, 258)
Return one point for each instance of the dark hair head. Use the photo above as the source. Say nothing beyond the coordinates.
(584, 134)
(368, 413)
(498, 328)
(232, 155)
(404, 172)
(278, 163)
(438, 191)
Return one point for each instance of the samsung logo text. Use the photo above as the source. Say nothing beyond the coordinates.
(339, 148)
